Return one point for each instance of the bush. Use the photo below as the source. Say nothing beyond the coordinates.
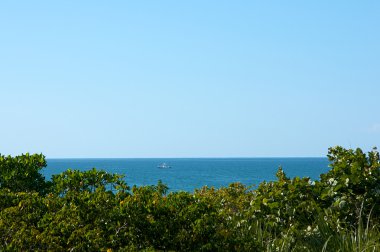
(22, 173)
(94, 210)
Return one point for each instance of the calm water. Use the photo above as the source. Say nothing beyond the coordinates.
(189, 173)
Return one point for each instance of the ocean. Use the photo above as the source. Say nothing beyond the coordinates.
(186, 174)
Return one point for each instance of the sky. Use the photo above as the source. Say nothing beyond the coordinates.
(139, 79)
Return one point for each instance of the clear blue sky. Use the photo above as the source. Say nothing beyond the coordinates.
(188, 78)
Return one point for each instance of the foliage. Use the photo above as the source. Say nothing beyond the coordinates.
(96, 211)
(351, 188)
(22, 173)
(73, 182)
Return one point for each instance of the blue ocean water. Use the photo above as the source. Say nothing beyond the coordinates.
(189, 173)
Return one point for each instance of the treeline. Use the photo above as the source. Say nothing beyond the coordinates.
(97, 211)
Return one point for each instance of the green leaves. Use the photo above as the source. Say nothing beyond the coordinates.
(75, 181)
(22, 173)
(94, 210)
(354, 178)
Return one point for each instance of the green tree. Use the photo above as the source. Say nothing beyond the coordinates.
(352, 186)
(75, 181)
(22, 173)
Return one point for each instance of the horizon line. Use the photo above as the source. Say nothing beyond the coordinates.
(231, 157)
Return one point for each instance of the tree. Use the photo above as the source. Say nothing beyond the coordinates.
(22, 173)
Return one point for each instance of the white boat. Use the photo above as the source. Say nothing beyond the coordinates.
(164, 166)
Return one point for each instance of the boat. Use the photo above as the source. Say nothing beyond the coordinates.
(164, 166)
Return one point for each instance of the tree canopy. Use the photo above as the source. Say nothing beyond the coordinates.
(97, 211)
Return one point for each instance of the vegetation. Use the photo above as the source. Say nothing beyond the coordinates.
(97, 211)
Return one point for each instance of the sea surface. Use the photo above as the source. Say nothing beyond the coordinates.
(186, 174)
